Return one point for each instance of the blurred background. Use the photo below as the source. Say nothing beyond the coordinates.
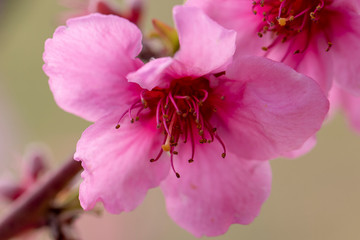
(314, 197)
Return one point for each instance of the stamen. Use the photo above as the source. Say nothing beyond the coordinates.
(329, 46)
(137, 117)
(174, 104)
(121, 117)
(157, 157)
(143, 101)
(223, 155)
(159, 154)
(281, 8)
(291, 18)
(206, 94)
(172, 164)
(158, 124)
(132, 107)
(192, 142)
(166, 145)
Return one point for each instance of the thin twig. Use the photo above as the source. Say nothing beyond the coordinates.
(30, 210)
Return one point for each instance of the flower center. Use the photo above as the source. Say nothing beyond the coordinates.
(286, 19)
(182, 112)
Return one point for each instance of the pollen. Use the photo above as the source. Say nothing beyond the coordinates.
(282, 21)
(166, 147)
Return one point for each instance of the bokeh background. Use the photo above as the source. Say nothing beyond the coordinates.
(314, 197)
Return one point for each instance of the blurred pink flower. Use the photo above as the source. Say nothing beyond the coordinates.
(85, 7)
(319, 38)
(34, 165)
(184, 114)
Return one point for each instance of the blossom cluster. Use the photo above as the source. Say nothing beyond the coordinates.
(250, 82)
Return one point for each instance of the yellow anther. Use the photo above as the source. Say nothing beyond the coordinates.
(282, 21)
(166, 147)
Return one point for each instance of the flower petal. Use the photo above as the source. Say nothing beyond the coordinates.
(232, 14)
(205, 46)
(340, 99)
(269, 109)
(153, 74)
(87, 62)
(346, 53)
(117, 170)
(304, 149)
(213, 193)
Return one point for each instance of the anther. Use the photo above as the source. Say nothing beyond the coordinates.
(223, 155)
(132, 120)
(297, 51)
(222, 97)
(329, 46)
(312, 16)
(177, 175)
(152, 160)
(191, 160)
(175, 152)
(264, 48)
(166, 147)
(282, 21)
(117, 126)
(260, 34)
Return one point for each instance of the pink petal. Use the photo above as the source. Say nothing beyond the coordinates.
(346, 33)
(87, 62)
(269, 109)
(316, 63)
(232, 14)
(153, 74)
(117, 170)
(349, 104)
(213, 193)
(304, 149)
(205, 46)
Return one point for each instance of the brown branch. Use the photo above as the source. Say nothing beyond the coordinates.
(30, 210)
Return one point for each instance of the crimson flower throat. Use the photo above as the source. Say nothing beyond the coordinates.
(183, 112)
(286, 19)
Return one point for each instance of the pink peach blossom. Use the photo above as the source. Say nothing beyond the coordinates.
(85, 7)
(319, 38)
(179, 116)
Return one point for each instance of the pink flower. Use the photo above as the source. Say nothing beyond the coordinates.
(319, 38)
(85, 7)
(178, 116)
(33, 167)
